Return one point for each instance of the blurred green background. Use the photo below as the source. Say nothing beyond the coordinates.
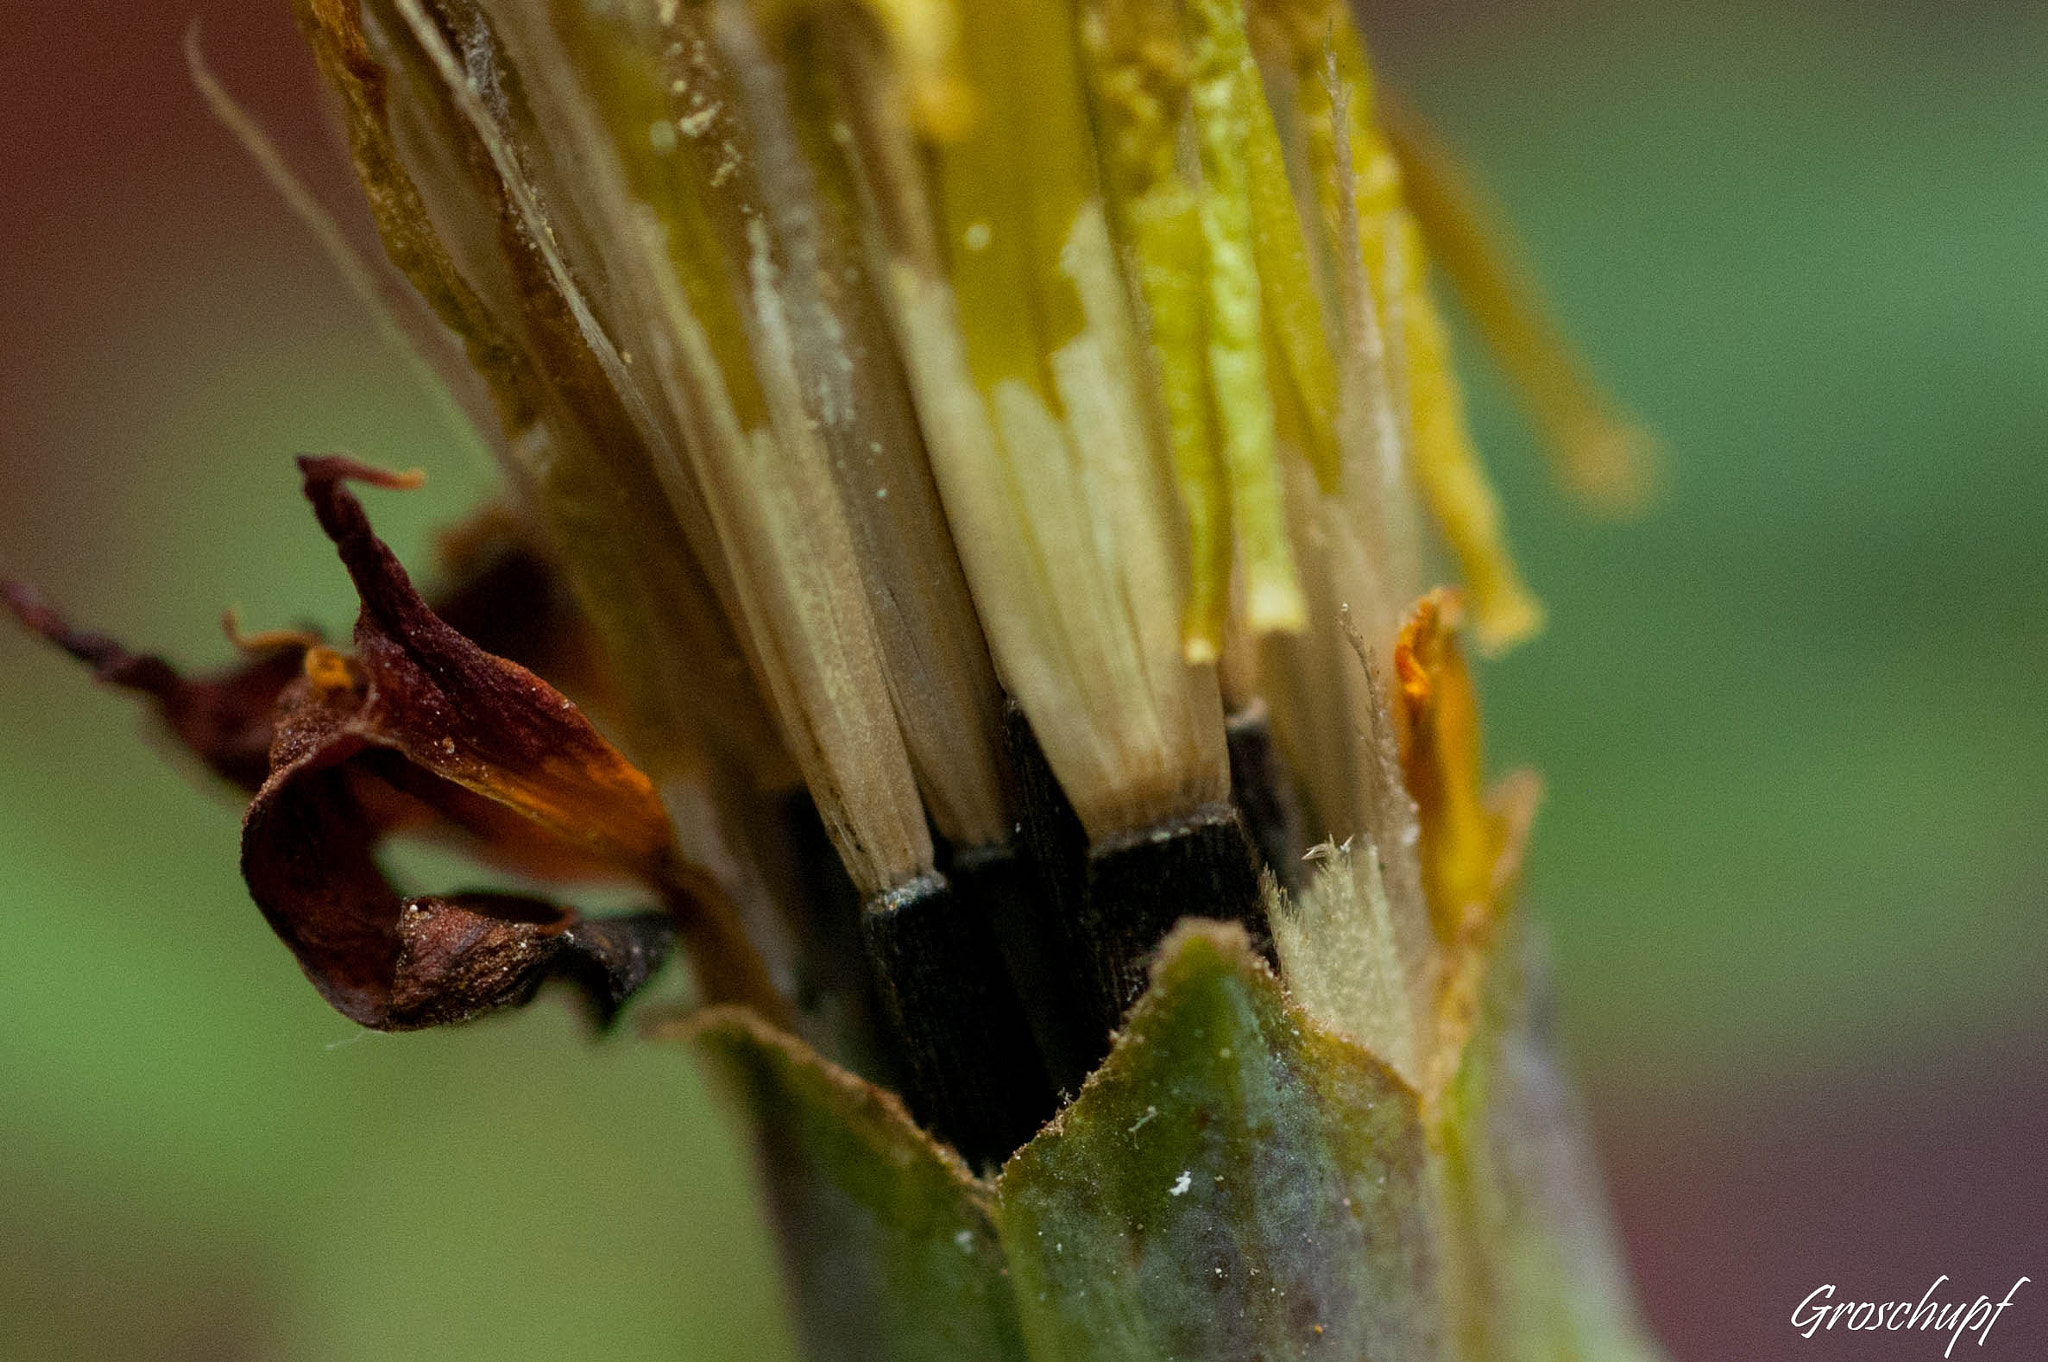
(1794, 724)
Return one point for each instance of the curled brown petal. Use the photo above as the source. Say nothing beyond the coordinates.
(421, 730)
(223, 718)
(502, 589)
(476, 952)
(421, 726)
(392, 963)
(474, 720)
(385, 962)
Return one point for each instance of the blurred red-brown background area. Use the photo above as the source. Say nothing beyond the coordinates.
(1794, 723)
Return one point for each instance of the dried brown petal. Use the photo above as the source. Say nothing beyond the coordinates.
(419, 726)
(396, 964)
(224, 717)
(465, 955)
(502, 589)
(421, 730)
(479, 721)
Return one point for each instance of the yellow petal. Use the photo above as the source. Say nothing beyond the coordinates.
(1455, 486)
(1597, 449)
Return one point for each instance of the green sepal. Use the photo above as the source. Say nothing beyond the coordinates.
(1539, 1275)
(888, 1246)
(1234, 1182)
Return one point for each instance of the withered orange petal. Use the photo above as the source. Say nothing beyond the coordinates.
(500, 588)
(1439, 728)
(472, 719)
(394, 963)
(223, 718)
(398, 964)
(421, 727)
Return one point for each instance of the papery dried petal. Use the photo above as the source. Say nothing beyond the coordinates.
(481, 722)
(420, 727)
(223, 717)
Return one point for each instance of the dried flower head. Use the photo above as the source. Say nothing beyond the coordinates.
(970, 458)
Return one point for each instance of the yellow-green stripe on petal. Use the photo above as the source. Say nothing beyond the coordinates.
(1166, 230)
(1288, 291)
(1226, 91)
(1137, 67)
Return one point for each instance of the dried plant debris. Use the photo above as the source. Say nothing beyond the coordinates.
(417, 730)
(420, 727)
(225, 719)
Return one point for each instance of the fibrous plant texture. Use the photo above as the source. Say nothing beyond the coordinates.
(973, 471)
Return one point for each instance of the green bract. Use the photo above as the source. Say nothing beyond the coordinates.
(1235, 1182)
